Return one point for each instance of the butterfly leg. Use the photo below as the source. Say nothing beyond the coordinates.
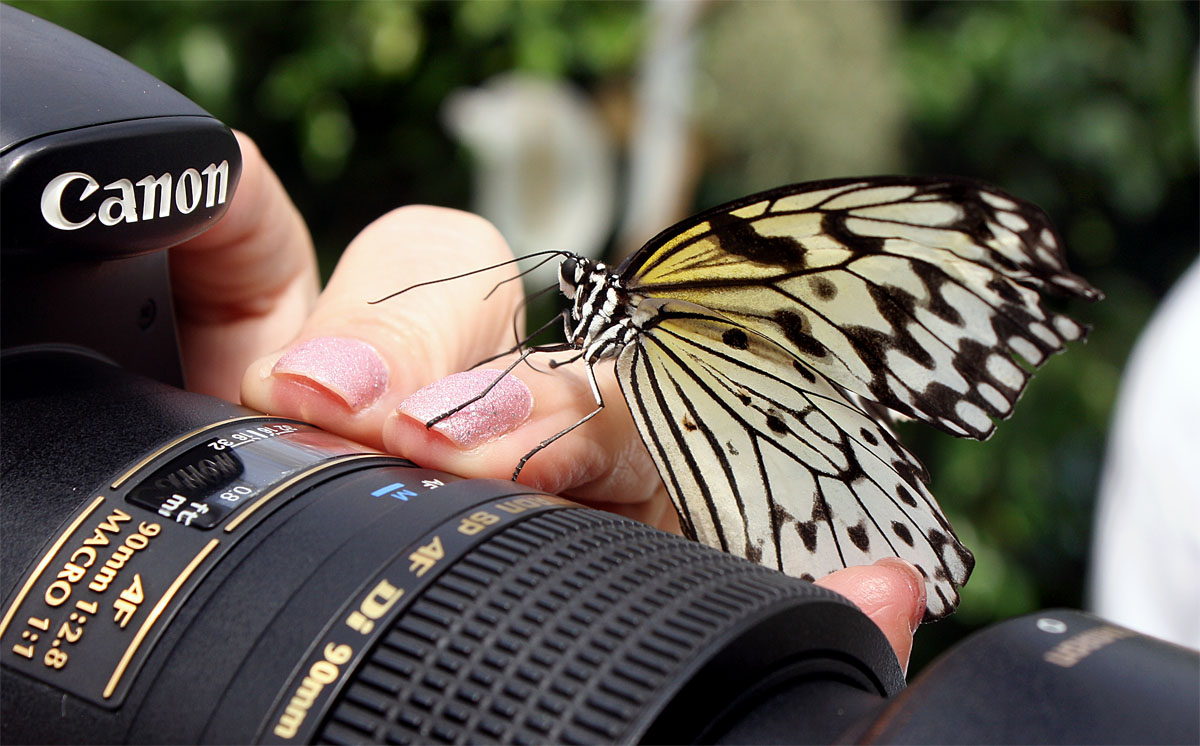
(521, 346)
(591, 376)
(522, 342)
(559, 363)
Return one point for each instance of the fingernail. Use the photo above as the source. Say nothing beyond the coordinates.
(916, 583)
(504, 408)
(347, 368)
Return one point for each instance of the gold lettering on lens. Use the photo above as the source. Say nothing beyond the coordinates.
(426, 557)
(522, 504)
(79, 563)
(378, 602)
(1071, 651)
(154, 615)
(476, 522)
(59, 591)
(320, 674)
(122, 554)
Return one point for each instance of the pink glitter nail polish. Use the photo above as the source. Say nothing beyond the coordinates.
(347, 368)
(505, 407)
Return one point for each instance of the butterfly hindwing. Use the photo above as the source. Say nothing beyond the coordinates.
(765, 458)
(913, 293)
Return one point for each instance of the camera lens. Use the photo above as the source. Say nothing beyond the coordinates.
(183, 570)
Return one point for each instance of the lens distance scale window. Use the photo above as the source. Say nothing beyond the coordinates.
(212, 479)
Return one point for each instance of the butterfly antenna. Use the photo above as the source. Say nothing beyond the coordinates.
(517, 333)
(553, 252)
(534, 268)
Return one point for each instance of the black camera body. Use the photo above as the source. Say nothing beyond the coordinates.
(179, 569)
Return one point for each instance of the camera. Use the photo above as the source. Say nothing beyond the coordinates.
(179, 569)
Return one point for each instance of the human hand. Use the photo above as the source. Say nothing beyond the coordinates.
(248, 287)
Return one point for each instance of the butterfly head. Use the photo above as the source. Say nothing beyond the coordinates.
(571, 272)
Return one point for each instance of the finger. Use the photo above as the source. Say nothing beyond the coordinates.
(601, 463)
(353, 362)
(891, 592)
(245, 286)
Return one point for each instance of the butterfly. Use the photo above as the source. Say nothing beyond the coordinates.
(762, 345)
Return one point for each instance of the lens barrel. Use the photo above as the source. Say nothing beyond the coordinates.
(228, 577)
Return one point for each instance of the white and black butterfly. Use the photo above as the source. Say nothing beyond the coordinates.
(754, 343)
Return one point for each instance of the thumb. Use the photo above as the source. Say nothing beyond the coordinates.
(891, 592)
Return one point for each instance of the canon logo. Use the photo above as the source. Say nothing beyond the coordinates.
(154, 198)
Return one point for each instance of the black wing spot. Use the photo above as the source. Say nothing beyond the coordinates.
(736, 338)
(937, 540)
(911, 474)
(777, 425)
(869, 436)
(807, 577)
(804, 372)
(859, 536)
(821, 510)
(729, 447)
(823, 287)
(744, 398)
(905, 496)
(808, 534)
(1004, 263)
(795, 327)
(1005, 290)
(754, 553)
(688, 423)
(901, 531)
(938, 397)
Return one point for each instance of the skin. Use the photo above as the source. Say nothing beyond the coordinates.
(247, 290)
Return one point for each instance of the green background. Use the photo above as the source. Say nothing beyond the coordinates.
(1084, 108)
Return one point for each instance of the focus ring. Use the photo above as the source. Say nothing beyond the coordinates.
(570, 627)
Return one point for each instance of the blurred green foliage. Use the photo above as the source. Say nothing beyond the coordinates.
(1084, 108)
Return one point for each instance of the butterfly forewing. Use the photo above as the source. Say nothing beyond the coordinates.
(766, 459)
(912, 293)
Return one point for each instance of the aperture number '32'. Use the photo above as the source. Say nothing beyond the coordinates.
(761, 344)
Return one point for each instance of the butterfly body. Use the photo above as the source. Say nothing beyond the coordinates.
(601, 320)
(756, 343)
